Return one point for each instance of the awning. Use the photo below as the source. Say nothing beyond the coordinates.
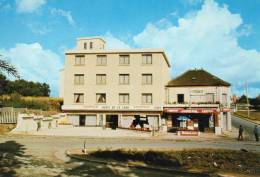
(195, 111)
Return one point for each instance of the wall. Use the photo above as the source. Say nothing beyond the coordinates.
(200, 97)
(159, 69)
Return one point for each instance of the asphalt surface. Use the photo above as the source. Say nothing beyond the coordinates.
(247, 125)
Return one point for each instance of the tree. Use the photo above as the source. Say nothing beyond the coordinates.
(6, 67)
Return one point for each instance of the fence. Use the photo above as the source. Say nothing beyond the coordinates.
(9, 115)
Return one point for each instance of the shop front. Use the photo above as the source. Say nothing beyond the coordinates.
(190, 121)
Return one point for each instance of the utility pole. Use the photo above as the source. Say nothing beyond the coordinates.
(247, 101)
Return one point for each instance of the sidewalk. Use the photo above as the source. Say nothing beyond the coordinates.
(98, 132)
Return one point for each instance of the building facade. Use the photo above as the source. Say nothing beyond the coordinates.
(113, 88)
(202, 98)
(132, 87)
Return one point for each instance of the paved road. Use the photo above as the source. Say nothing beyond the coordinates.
(45, 155)
(247, 125)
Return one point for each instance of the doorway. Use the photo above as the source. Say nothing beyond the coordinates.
(112, 121)
(82, 120)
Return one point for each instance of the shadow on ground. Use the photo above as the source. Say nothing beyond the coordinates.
(11, 153)
(103, 170)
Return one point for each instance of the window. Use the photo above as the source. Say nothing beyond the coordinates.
(101, 60)
(147, 79)
(224, 99)
(79, 79)
(80, 60)
(210, 97)
(124, 79)
(180, 98)
(147, 59)
(123, 98)
(101, 79)
(78, 97)
(124, 60)
(85, 45)
(91, 45)
(101, 98)
(147, 98)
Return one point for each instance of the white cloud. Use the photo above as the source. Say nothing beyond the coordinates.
(208, 39)
(63, 13)
(114, 43)
(36, 64)
(29, 6)
(38, 28)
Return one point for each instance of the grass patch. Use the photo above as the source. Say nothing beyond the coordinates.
(206, 160)
(254, 115)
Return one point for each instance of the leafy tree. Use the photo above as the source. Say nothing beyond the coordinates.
(242, 99)
(6, 67)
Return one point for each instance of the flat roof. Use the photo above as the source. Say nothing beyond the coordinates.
(89, 38)
(121, 51)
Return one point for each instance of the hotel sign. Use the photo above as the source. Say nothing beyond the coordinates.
(113, 108)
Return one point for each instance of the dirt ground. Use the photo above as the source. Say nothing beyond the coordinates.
(25, 155)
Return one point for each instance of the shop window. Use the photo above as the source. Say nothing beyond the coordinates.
(180, 98)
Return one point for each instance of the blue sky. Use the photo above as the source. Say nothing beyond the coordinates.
(221, 36)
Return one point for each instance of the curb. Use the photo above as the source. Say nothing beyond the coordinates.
(136, 166)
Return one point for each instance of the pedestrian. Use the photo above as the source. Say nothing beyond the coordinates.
(240, 133)
(256, 133)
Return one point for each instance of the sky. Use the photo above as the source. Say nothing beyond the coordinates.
(220, 36)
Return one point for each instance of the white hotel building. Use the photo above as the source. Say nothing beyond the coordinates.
(114, 88)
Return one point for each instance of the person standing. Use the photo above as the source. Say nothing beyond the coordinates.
(256, 133)
(240, 133)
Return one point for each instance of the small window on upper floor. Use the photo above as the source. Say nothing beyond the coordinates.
(101, 98)
(147, 98)
(85, 45)
(101, 79)
(124, 79)
(79, 79)
(101, 60)
(78, 98)
(79, 60)
(124, 60)
(147, 59)
(91, 45)
(147, 79)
